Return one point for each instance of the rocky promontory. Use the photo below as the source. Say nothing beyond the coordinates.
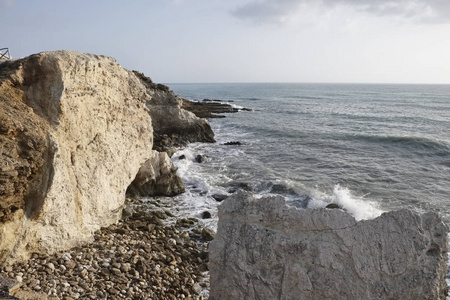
(75, 129)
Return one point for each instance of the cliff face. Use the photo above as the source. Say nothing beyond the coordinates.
(74, 131)
(266, 250)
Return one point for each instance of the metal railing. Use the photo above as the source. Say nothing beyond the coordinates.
(4, 53)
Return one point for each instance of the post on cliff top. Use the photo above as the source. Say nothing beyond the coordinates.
(4, 53)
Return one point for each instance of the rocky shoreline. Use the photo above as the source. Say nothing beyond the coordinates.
(140, 257)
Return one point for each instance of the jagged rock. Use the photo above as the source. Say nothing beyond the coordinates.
(157, 177)
(266, 250)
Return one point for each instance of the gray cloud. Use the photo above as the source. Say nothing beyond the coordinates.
(276, 11)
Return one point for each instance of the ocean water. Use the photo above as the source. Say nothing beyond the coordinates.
(370, 148)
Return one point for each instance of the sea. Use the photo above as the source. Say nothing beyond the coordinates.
(370, 148)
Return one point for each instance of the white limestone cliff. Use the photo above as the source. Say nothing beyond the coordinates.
(266, 250)
(74, 131)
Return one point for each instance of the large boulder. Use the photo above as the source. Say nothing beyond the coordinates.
(74, 131)
(157, 177)
(266, 250)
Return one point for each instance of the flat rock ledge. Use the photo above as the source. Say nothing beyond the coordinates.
(266, 250)
(137, 258)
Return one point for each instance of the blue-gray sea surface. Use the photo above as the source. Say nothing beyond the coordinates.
(369, 147)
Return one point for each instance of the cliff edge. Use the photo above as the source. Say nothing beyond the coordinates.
(75, 129)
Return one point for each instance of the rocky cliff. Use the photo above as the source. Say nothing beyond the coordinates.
(266, 250)
(74, 131)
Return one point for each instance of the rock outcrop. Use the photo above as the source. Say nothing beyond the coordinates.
(74, 131)
(172, 125)
(208, 108)
(266, 250)
(157, 177)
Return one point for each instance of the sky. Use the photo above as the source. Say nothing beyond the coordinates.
(201, 41)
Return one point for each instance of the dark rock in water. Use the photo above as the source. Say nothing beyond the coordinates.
(246, 109)
(199, 158)
(208, 108)
(219, 197)
(206, 215)
(282, 189)
(208, 234)
(240, 185)
(215, 100)
(182, 157)
(233, 143)
(333, 206)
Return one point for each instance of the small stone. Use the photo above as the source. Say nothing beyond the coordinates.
(84, 273)
(208, 234)
(126, 267)
(51, 266)
(206, 215)
(197, 289)
(116, 271)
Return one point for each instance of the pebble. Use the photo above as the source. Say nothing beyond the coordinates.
(125, 261)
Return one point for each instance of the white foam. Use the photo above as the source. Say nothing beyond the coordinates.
(358, 207)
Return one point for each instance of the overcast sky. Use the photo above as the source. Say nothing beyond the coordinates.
(369, 41)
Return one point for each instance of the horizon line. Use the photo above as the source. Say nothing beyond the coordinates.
(309, 82)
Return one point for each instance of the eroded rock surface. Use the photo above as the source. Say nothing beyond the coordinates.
(74, 131)
(266, 250)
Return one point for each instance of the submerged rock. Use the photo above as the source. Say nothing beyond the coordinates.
(233, 143)
(266, 250)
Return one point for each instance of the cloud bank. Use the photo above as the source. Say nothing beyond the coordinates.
(276, 11)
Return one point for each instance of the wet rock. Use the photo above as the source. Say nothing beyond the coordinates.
(219, 197)
(199, 158)
(208, 109)
(333, 206)
(208, 234)
(206, 215)
(182, 157)
(233, 143)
